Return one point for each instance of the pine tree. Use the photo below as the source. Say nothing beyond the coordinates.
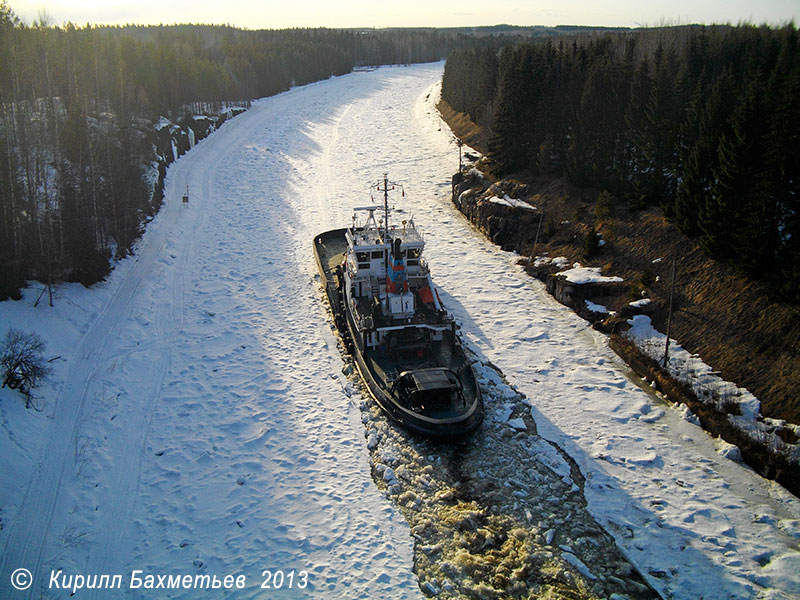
(11, 265)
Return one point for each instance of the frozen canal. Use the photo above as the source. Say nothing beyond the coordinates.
(198, 421)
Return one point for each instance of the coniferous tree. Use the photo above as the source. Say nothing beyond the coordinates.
(530, 88)
(706, 119)
(485, 86)
(12, 271)
(506, 149)
(655, 139)
(732, 209)
(594, 135)
(75, 104)
(702, 121)
(781, 175)
(633, 157)
(551, 118)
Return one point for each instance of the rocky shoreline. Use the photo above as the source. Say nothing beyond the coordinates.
(172, 140)
(500, 212)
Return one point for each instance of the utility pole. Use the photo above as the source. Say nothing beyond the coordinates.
(669, 314)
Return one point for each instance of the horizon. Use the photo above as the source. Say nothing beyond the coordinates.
(357, 14)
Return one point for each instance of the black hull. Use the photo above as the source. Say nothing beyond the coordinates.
(329, 249)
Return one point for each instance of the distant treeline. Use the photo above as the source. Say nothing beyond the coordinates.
(78, 105)
(703, 121)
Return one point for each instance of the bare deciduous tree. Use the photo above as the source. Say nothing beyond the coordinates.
(23, 365)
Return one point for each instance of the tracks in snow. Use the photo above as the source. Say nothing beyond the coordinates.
(45, 510)
(57, 510)
(198, 428)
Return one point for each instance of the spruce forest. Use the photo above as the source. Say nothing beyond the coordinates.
(701, 121)
(78, 113)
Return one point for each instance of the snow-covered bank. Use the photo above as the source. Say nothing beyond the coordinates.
(743, 409)
(203, 424)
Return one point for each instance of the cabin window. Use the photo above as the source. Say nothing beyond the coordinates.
(412, 256)
(377, 254)
(363, 260)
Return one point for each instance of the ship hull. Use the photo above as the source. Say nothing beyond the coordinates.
(451, 408)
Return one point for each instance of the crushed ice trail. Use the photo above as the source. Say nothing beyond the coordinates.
(500, 514)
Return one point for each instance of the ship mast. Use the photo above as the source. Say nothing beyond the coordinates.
(383, 186)
(386, 207)
(386, 239)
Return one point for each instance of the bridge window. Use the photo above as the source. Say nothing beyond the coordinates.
(412, 256)
(363, 260)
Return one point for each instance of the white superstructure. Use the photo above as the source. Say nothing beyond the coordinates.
(374, 251)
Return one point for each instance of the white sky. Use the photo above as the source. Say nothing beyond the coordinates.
(272, 14)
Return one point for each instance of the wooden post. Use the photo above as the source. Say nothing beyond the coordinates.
(49, 277)
(669, 314)
(535, 241)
